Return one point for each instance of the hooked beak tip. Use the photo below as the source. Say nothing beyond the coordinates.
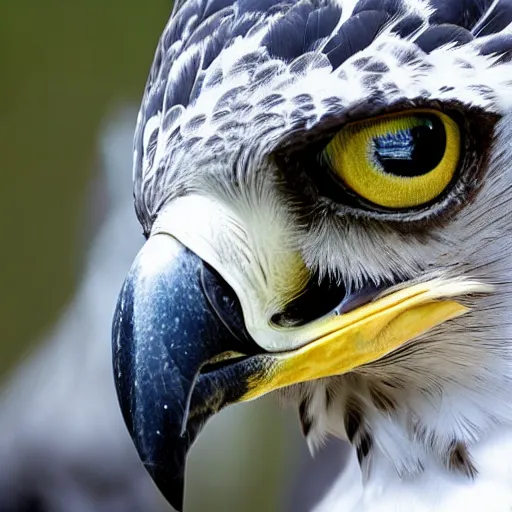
(164, 330)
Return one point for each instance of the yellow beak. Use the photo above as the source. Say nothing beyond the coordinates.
(343, 343)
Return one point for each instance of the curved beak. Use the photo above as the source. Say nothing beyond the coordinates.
(166, 328)
(181, 351)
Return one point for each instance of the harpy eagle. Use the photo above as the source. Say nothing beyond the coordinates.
(325, 189)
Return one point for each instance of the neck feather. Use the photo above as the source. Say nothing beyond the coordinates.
(435, 489)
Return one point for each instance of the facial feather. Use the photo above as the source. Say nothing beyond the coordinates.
(234, 84)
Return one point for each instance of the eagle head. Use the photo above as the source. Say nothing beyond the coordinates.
(326, 195)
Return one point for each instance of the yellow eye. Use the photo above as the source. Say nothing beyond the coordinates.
(397, 161)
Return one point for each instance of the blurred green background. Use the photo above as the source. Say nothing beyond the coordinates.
(63, 66)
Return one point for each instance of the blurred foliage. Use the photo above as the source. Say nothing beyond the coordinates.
(62, 65)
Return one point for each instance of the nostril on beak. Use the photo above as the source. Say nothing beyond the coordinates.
(324, 297)
(319, 298)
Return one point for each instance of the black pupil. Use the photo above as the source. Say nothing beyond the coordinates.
(412, 151)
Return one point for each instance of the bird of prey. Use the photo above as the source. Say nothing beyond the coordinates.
(325, 190)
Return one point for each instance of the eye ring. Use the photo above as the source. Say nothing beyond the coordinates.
(396, 161)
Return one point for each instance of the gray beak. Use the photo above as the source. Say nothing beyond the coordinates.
(175, 321)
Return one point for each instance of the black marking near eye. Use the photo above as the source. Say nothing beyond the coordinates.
(411, 152)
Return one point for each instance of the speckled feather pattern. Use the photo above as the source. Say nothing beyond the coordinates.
(227, 72)
(235, 83)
